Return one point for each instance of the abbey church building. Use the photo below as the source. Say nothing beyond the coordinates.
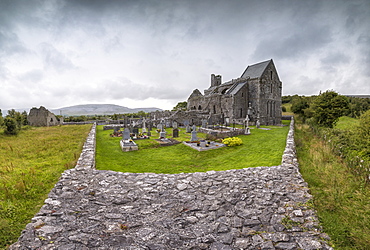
(257, 92)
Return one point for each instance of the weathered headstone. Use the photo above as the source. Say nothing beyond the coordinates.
(175, 132)
(126, 134)
(204, 123)
(194, 136)
(247, 129)
(162, 126)
(135, 131)
(174, 124)
(188, 129)
(144, 126)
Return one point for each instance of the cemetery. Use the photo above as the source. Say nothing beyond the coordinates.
(190, 148)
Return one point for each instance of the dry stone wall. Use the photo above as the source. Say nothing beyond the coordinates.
(254, 208)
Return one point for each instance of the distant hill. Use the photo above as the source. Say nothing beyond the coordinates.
(98, 109)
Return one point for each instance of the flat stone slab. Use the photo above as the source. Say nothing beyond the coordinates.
(167, 141)
(213, 145)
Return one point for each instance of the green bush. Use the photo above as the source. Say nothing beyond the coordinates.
(232, 141)
(11, 127)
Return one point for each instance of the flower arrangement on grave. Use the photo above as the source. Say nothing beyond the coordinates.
(232, 141)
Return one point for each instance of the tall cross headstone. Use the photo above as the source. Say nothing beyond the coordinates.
(144, 126)
(162, 134)
(247, 129)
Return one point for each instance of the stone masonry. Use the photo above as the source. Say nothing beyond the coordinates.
(254, 208)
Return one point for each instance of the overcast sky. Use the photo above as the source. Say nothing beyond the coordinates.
(58, 53)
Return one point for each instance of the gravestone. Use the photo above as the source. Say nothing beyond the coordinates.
(188, 129)
(168, 124)
(135, 131)
(194, 136)
(144, 126)
(149, 133)
(174, 124)
(126, 134)
(175, 132)
(204, 123)
(247, 129)
(162, 134)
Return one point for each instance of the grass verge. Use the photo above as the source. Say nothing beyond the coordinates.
(261, 148)
(30, 165)
(341, 200)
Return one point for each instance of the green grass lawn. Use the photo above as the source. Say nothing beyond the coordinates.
(261, 148)
(30, 165)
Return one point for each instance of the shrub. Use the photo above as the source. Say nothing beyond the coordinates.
(11, 127)
(232, 141)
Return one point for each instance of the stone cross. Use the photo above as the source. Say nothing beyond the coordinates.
(247, 129)
(162, 126)
(144, 128)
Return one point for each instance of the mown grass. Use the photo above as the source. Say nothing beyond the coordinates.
(261, 148)
(341, 200)
(30, 164)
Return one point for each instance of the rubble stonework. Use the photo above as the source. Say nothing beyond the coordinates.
(253, 208)
(41, 117)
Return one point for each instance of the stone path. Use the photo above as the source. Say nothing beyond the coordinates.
(255, 208)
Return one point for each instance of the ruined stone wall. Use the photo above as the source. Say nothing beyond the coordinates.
(42, 117)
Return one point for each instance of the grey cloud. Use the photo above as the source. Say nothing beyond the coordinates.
(125, 88)
(336, 58)
(300, 43)
(33, 76)
(56, 60)
(10, 44)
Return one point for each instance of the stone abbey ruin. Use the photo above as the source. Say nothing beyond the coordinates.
(256, 93)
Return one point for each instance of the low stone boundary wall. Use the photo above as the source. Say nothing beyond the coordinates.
(252, 208)
(228, 132)
(112, 126)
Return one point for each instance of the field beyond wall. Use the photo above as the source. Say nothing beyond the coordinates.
(30, 165)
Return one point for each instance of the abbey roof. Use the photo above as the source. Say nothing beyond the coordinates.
(256, 70)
